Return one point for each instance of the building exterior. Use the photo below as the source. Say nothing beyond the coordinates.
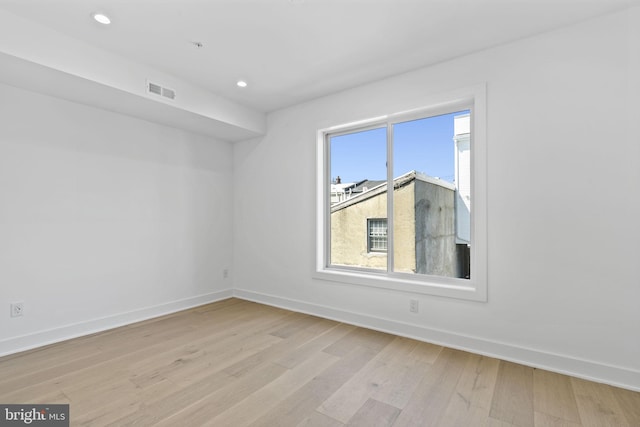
(424, 229)
(342, 191)
(462, 143)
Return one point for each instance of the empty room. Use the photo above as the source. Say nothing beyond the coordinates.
(320, 213)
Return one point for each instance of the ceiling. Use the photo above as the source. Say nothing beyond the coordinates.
(291, 51)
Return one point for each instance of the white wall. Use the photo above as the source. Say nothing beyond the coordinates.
(105, 219)
(564, 162)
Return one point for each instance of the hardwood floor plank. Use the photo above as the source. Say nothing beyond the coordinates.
(26, 363)
(629, 402)
(553, 395)
(316, 419)
(213, 336)
(261, 401)
(597, 405)
(293, 358)
(390, 377)
(184, 372)
(277, 351)
(214, 306)
(210, 406)
(172, 403)
(492, 422)
(306, 399)
(106, 414)
(431, 398)
(299, 321)
(513, 395)
(541, 419)
(359, 337)
(471, 403)
(427, 352)
(374, 414)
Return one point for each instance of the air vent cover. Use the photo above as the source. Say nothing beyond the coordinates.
(168, 93)
(159, 90)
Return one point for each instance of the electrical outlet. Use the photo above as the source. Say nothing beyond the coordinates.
(17, 309)
(413, 305)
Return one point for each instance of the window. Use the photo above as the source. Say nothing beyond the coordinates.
(417, 180)
(377, 235)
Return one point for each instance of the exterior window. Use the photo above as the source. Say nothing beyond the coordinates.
(430, 204)
(377, 235)
(417, 181)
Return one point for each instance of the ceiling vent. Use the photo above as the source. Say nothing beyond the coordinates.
(156, 89)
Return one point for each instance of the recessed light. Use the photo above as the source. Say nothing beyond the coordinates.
(241, 83)
(102, 18)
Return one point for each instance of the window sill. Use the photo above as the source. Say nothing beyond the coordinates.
(438, 286)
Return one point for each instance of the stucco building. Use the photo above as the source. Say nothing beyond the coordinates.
(424, 229)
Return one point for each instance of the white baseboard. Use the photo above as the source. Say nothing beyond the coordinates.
(63, 333)
(568, 365)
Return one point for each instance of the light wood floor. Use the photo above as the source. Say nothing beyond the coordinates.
(237, 363)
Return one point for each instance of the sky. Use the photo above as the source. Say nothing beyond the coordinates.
(424, 145)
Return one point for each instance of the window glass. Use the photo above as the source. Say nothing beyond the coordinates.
(430, 223)
(431, 172)
(357, 170)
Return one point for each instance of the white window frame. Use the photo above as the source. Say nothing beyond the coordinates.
(474, 288)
